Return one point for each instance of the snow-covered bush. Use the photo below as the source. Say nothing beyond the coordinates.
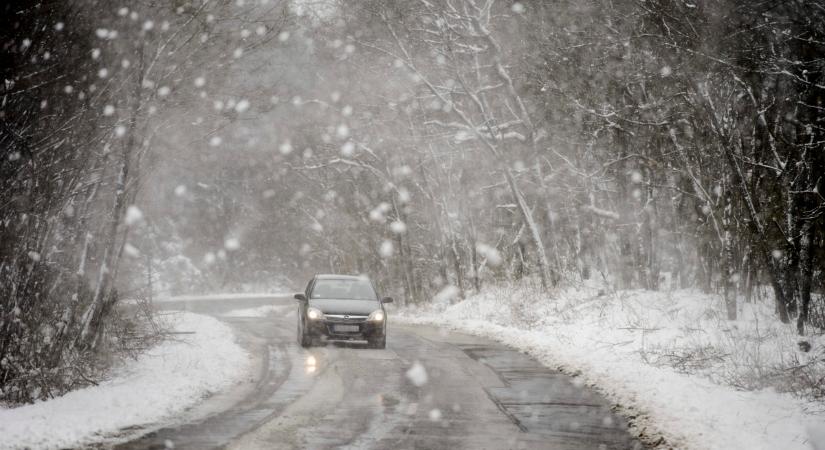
(177, 275)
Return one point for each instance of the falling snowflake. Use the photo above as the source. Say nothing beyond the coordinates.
(232, 244)
(490, 253)
(446, 295)
(242, 105)
(209, 258)
(131, 250)
(133, 215)
(417, 374)
(398, 227)
(404, 195)
(386, 249)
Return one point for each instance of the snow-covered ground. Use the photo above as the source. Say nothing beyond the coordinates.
(224, 297)
(688, 374)
(159, 385)
(260, 311)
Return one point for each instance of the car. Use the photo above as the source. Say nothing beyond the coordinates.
(341, 308)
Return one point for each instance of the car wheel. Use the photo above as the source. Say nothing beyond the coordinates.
(303, 338)
(306, 341)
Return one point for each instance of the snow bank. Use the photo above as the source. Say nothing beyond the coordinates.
(261, 311)
(671, 356)
(158, 385)
(223, 297)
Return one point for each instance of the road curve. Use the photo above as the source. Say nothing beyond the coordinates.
(471, 394)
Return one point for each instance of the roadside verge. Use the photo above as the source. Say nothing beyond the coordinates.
(622, 343)
(160, 384)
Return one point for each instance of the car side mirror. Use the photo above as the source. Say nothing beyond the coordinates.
(300, 297)
(386, 300)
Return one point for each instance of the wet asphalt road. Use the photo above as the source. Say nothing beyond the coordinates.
(478, 395)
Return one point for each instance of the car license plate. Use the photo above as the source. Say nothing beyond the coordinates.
(346, 328)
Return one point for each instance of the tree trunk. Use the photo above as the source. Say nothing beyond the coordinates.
(806, 270)
(474, 262)
(532, 228)
(92, 315)
(758, 230)
(727, 256)
(456, 257)
(755, 223)
(405, 257)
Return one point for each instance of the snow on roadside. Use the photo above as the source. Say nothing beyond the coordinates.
(224, 297)
(621, 343)
(260, 311)
(160, 384)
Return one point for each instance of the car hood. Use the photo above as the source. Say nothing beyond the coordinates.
(353, 307)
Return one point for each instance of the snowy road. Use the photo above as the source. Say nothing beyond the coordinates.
(462, 392)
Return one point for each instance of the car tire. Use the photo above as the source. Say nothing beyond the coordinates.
(304, 339)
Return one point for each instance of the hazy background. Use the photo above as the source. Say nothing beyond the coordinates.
(165, 147)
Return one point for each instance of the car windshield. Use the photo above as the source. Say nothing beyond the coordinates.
(344, 289)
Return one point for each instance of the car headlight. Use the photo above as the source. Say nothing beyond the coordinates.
(376, 316)
(314, 314)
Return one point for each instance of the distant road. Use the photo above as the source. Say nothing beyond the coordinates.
(464, 393)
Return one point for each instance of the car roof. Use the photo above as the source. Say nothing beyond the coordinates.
(332, 276)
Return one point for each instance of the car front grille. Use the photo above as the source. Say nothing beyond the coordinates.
(345, 319)
(337, 321)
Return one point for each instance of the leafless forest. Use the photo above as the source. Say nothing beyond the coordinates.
(157, 147)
